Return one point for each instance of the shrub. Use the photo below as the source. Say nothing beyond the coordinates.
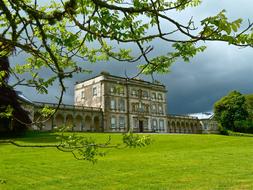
(245, 126)
(222, 130)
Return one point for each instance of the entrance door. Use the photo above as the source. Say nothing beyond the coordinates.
(141, 126)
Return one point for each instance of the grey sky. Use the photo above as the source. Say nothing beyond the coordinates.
(195, 86)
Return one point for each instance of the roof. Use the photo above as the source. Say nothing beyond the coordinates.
(202, 115)
(22, 97)
(119, 77)
(182, 116)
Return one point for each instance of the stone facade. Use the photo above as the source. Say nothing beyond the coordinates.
(126, 103)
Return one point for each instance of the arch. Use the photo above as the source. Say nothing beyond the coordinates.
(96, 123)
(183, 127)
(70, 121)
(37, 118)
(78, 123)
(48, 123)
(173, 125)
(88, 123)
(197, 128)
(191, 127)
(169, 127)
(59, 120)
(187, 127)
(43, 123)
(178, 127)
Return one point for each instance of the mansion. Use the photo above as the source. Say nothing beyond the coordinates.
(108, 103)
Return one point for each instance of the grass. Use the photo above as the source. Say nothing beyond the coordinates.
(171, 162)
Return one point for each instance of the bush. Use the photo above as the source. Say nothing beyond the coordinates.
(232, 133)
(245, 126)
(222, 130)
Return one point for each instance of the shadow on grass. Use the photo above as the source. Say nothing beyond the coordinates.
(33, 137)
(39, 137)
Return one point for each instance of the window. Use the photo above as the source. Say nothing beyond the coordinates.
(153, 108)
(146, 108)
(122, 122)
(120, 90)
(134, 92)
(122, 105)
(141, 107)
(94, 91)
(82, 94)
(135, 106)
(161, 125)
(112, 90)
(160, 96)
(113, 104)
(113, 122)
(160, 109)
(145, 94)
(153, 96)
(154, 123)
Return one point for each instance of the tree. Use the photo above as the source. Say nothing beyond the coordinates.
(229, 109)
(10, 106)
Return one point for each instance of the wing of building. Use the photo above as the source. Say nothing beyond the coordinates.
(207, 121)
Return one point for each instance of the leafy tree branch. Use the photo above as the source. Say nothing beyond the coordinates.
(56, 34)
(86, 148)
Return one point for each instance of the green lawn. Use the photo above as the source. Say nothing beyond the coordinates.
(171, 162)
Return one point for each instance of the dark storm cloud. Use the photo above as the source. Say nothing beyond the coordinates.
(196, 86)
(192, 87)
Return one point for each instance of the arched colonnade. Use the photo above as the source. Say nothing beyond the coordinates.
(183, 125)
(76, 120)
